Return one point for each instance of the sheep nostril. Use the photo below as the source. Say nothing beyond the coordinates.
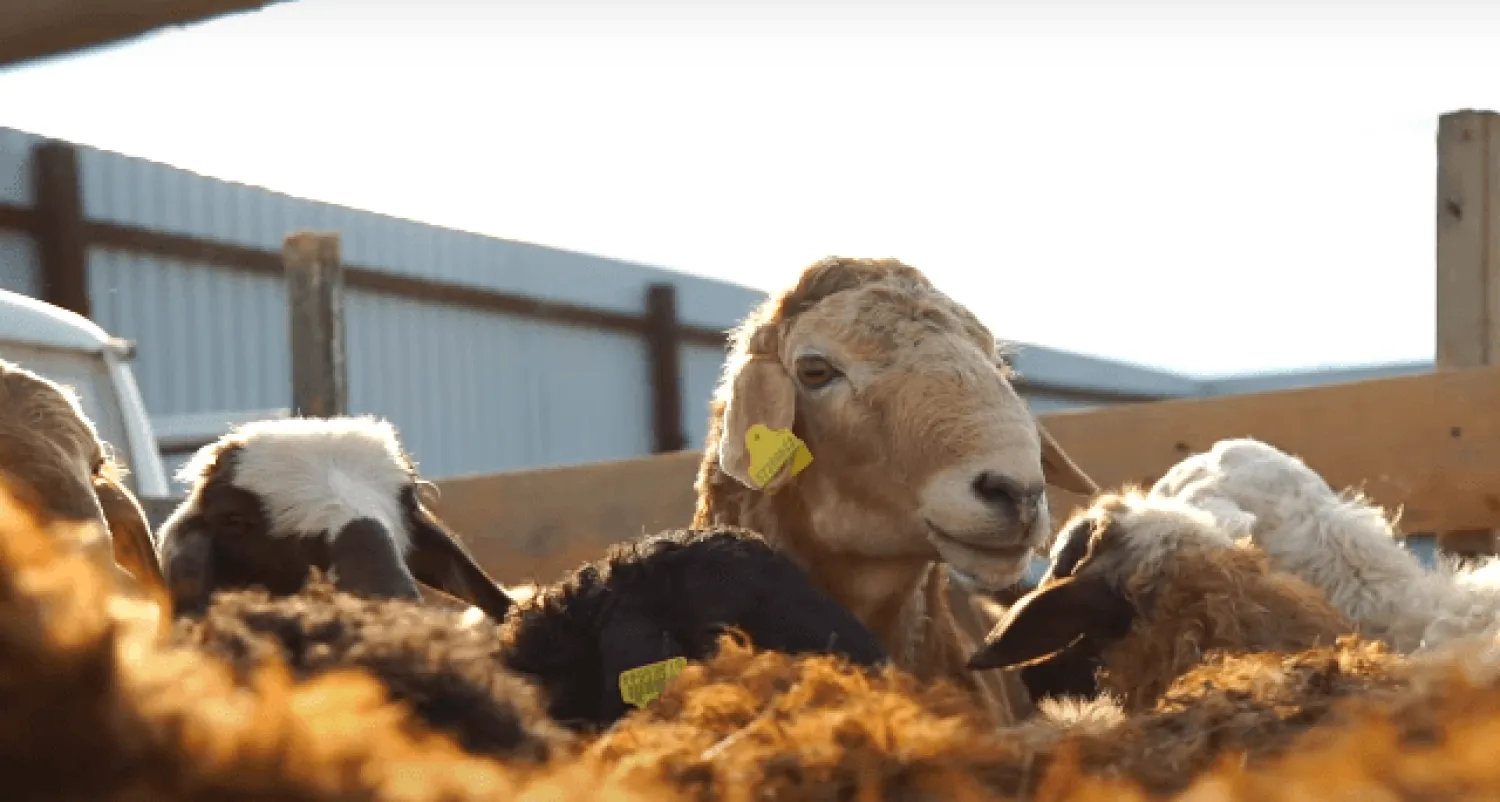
(1008, 497)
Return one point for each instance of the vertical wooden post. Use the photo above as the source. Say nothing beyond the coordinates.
(61, 238)
(315, 295)
(1468, 259)
(663, 353)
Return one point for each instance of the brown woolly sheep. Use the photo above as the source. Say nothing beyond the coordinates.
(927, 467)
(50, 445)
(750, 726)
(447, 670)
(1139, 590)
(1353, 722)
(91, 709)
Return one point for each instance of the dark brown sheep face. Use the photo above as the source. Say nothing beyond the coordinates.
(1143, 586)
(277, 498)
(1057, 634)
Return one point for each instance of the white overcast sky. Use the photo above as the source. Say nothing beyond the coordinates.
(1212, 189)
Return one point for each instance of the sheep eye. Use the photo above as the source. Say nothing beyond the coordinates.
(815, 372)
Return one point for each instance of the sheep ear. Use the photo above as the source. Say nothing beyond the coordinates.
(438, 560)
(130, 533)
(762, 395)
(1048, 621)
(1059, 470)
(366, 562)
(188, 564)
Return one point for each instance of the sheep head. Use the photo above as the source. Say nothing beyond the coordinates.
(921, 448)
(49, 444)
(1139, 590)
(273, 499)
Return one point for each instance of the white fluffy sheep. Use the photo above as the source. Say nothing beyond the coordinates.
(1338, 542)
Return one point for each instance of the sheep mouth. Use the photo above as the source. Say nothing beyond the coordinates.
(1016, 551)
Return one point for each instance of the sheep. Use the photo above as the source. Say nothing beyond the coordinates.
(94, 708)
(645, 601)
(273, 498)
(1140, 588)
(1339, 543)
(749, 725)
(666, 596)
(50, 445)
(449, 671)
(927, 469)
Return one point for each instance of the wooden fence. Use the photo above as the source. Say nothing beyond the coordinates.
(1428, 444)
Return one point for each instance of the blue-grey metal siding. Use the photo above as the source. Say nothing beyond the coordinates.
(471, 391)
(19, 271)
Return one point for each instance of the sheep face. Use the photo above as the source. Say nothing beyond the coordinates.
(276, 498)
(47, 443)
(1103, 563)
(921, 446)
(1142, 588)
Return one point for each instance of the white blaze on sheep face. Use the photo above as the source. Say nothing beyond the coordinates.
(316, 476)
(274, 499)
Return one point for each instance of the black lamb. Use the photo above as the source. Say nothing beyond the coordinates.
(664, 596)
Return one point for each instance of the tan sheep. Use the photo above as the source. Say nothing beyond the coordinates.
(927, 467)
(51, 447)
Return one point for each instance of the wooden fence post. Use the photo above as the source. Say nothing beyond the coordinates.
(662, 348)
(61, 236)
(315, 296)
(1468, 259)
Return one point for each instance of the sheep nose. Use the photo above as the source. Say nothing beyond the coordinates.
(1009, 497)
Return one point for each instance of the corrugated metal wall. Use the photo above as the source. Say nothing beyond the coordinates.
(471, 391)
(19, 271)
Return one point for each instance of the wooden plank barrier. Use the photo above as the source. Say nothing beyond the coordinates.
(1429, 443)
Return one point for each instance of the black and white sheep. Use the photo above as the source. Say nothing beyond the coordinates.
(274, 498)
(1139, 591)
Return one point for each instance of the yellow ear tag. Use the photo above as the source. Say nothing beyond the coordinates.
(771, 449)
(639, 686)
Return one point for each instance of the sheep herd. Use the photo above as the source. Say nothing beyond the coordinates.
(843, 618)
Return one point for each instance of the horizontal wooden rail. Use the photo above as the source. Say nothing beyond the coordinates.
(268, 263)
(1428, 443)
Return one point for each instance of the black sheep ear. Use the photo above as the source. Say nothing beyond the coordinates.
(1052, 619)
(187, 551)
(438, 560)
(366, 562)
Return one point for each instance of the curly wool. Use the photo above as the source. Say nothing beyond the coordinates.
(668, 595)
(449, 674)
